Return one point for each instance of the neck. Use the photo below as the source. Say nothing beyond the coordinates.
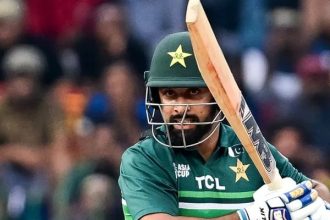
(206, 148)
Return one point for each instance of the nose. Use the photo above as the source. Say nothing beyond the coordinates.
(181, 107)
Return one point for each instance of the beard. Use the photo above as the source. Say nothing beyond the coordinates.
(193, 135)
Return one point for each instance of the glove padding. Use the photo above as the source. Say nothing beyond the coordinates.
(323, 213)
(299, 202)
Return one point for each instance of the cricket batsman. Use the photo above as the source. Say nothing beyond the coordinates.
(192, 166)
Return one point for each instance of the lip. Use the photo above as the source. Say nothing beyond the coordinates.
(186, 121)
(183, 127)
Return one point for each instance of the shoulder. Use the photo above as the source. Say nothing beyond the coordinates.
(148, 161)
(48, 105)
(148, 150)
(5, 109)
(3, 106)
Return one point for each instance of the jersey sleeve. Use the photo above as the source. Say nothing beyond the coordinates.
(147, 184)
(285, 168)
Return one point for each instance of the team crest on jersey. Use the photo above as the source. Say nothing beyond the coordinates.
(181, 170)
(235, 151)
(240, 170)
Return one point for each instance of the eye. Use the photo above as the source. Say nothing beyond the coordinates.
(194, 91)
(168, 92)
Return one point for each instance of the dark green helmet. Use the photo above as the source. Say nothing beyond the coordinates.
(173, 64)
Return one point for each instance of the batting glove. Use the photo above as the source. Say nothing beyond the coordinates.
(300, 203)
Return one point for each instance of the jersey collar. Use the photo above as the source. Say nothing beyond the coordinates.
(228, 137)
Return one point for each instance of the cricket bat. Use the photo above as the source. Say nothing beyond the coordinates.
(221, 83)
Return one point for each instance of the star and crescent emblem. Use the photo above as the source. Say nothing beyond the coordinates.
(240, 170)
(179, 56)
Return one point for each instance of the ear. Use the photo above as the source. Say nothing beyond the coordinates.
(154, 95)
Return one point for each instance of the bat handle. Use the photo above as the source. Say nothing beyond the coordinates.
(277, 186)
(277, 181)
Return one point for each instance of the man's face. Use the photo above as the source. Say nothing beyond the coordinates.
(176, 110)
(9, 32)
(20, 87)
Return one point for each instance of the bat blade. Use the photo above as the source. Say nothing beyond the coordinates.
(221, 83)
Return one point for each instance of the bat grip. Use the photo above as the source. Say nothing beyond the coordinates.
(276, 182)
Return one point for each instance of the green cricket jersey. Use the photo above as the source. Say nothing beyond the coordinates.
(154, 178)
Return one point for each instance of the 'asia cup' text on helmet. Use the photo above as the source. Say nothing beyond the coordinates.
(173, 65)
